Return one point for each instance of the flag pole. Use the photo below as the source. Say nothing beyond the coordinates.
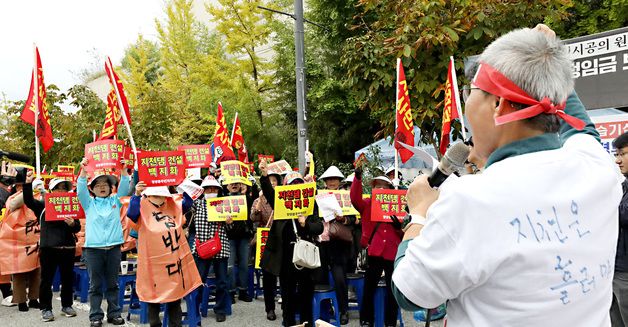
(396, 123)
(36, 99)
(233, 129)
(122, 111)
(457, 95)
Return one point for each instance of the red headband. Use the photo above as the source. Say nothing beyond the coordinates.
(492, 81)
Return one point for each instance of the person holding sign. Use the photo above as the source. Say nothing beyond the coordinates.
(263, 215)
(297, 285)
(381, 240)
(7, 178)
(240, 234)
(203, 230)
(103, 237)
(165, 267)
(335, 251)
(56, 249)
(19, 245)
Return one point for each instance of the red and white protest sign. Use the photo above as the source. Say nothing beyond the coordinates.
(66, 176)
(161, 168)
(386, 203)
(269, 158)
(197, 156)
(60, 206)
(280, 167)
(610, 127)
(129, 157)
(104, 154)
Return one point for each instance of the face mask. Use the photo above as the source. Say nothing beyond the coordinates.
(211, 195)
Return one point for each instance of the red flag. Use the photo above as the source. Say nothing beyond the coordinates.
(44, 130)
(237, 141)
(404, 126)
(450, 110)
(112, 118)
(222, 149)
(117, 85)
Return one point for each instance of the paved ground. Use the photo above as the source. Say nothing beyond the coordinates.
(244, 314)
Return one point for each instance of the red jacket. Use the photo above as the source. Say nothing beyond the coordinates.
(386, 238)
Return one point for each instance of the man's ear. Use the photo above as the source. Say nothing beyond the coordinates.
(503, 107)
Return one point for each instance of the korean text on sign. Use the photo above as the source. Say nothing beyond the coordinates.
(292, 201)
(161, 168)
(60, 206)
(386, 203)
(104, 154)
(344, 199)
(197, 156)
(234, 171)
(219, 209)
(260, 246)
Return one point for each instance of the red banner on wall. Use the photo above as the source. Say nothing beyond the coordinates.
(386, 203)
(161, 168)
(104, 154)
(60, 206)
(197, 156)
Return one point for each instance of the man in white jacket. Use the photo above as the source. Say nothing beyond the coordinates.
(531, 241)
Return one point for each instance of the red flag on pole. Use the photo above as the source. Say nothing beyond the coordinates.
(222, 149)
(237, 141)
(450, 110)
(118, 83)
(112, 118)
(44, 130)
(404, 125)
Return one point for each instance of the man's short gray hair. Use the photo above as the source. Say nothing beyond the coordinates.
(538, 64)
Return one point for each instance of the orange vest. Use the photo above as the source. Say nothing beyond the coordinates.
(80, 239)
(166, 270)
(19, 240)
(127, 225)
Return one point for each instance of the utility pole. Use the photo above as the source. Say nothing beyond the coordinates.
(300, 81)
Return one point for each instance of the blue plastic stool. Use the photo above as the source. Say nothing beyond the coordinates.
(380, 298)
(56, 281)
(258, 289)
(123, 281)
(357, 282)
(142, 311)
(209, 284)
(322, 293)
(82, 283)
(191, 317)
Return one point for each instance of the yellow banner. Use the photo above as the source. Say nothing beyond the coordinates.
(219, 209)
(292, 201)
(344, 199)
(65, 168)
(234, 171)
(262, 237)
(4, 210)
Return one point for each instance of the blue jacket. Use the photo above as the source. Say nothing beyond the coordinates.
(102, 215)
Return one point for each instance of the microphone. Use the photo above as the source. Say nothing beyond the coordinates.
(15, 156)
(453, 160)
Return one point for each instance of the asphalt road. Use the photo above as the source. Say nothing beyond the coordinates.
(244, 314)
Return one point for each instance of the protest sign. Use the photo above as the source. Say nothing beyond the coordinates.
(361, 160)
(234, 171)
(386, 203)
(65, 169)
(260, 246)
(219, 209)
(610, 127)
(104, 154)
(269, 158)
(292, 201)
(60, 206)
(129, 157)
(197, 156)
(66, 176)
(280, 167)
(328, 207)
(161, 168)
(189, 187)
(193, 174)
(344, 200)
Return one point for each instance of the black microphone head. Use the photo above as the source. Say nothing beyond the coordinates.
(455, 157)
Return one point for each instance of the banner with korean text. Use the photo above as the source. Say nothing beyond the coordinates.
(104, 154)
(197, 156)
(161, 168)
(292, 201)
(344, 200)
(234, 171)
(219, 209)
(260, 244)
(60, 206)
(386, 203)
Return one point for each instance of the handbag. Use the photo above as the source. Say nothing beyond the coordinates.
(305, 254)
(363, 255)
(209, 248)
(340, 231)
